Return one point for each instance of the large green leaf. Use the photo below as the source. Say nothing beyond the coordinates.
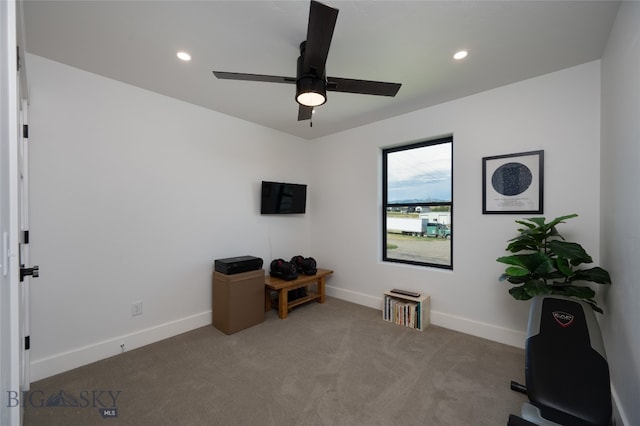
(536, 288)
(539, 221)
(514, 279)
(580, 292)
(511, 260)
(516, 271)
(524, 241)
(563, 266)
(556, 275)
(530, 261)
(527, 224)
(544, 268)
(595, 274)
(561, 219)
(571, 251)
(522, 244)
(537, 232)
(519, 293)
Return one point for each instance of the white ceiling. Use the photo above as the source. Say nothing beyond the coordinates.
(408, 42)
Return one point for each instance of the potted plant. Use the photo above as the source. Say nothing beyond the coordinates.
(544, 263)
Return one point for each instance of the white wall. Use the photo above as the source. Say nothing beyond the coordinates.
(620, 232)
(133, 197)
(559, 113)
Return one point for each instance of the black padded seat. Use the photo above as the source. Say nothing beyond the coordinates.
(566, 371)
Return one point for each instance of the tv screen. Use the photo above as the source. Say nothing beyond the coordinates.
(283, 198)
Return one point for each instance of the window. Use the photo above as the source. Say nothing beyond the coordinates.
(417, 201)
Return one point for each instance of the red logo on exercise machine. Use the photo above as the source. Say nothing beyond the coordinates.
(563, 318)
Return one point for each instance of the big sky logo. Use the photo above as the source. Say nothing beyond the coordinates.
(105, 401)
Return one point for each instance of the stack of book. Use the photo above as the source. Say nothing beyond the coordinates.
(402, 312)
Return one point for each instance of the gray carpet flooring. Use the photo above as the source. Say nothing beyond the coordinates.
(335, 363)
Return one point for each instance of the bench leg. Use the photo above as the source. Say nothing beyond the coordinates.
(321, 289)
(283, 302)
(267, 300)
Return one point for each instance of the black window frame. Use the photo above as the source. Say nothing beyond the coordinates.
(386, 205)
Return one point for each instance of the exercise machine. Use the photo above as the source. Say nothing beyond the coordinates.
(566, 369)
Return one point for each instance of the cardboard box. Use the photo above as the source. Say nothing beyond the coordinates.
(237, 300)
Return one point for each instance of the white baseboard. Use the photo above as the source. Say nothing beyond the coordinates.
(354, 297)
(479, 329)
(464, 325)
(47, 367)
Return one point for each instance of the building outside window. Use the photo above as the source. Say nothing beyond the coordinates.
(417, 199)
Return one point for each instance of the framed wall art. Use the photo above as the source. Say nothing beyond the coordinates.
(513, 183)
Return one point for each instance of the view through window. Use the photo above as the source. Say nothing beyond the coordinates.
(418, 203)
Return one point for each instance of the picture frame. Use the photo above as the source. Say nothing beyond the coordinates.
(513, 183)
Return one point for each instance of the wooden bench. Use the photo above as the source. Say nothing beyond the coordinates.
(283, 287)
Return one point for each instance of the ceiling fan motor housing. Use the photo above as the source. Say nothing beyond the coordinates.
(310, 83)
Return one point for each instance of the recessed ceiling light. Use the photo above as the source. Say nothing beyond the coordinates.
(460, 55)
(184, 56)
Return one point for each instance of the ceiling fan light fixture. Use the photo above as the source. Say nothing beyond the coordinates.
(311, 91)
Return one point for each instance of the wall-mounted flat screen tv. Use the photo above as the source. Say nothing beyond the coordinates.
(283, 198)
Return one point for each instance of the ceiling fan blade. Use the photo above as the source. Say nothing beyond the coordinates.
(322, 21)
(304, 112)
(365, 87)
(253, 77)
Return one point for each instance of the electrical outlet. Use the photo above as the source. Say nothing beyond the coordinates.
(136, 309)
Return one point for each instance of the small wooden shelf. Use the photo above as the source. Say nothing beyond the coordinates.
(411, 312)
(283, 287)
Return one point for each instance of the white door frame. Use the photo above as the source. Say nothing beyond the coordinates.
(10, 348)
(23, 198)
(24, 256)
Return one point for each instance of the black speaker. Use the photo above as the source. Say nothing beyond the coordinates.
(236, 265)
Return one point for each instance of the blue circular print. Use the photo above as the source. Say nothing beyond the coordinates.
(511, 179)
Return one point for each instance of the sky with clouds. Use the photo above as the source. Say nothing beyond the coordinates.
(419, 174)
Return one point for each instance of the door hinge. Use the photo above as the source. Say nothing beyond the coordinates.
(25, 131)
(18, 58)
(27, 343)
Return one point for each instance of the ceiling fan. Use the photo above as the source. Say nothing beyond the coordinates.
(311, 80)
